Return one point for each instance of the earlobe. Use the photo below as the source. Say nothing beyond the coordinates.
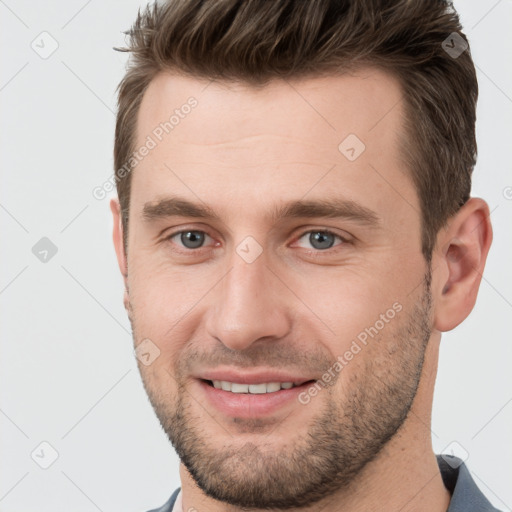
(460, 263)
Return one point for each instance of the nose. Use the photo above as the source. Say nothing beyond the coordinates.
(249, 304)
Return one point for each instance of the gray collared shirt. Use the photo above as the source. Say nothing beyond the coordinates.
(466, 496)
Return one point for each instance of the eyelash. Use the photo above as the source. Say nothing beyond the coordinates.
(311, 252)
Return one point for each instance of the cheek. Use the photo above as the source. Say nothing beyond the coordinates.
(335, 304)
(160, 384)
(348, 302)
(161, 295)
(165, 305)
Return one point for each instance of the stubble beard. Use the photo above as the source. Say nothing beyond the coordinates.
(344, 436)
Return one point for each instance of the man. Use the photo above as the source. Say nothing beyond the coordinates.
(295, 231)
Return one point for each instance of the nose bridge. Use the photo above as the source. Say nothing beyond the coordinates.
(248, 305)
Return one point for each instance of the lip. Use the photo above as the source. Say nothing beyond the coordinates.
(248, 405)
(253, 377)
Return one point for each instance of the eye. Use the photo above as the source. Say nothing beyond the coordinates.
(190, 238)
(322, 239)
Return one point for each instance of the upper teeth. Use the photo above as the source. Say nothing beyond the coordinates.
(266, 387)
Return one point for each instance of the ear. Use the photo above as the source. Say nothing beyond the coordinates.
(117, 236)
(463, 248)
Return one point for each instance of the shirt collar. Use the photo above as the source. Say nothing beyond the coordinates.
(466, 496)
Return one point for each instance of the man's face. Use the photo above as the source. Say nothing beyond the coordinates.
(255, 296)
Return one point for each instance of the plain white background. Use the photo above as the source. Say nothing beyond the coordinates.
(68, 374)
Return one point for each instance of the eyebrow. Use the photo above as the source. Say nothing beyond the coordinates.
(329, 208)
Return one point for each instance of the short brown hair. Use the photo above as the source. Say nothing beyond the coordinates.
(254, 41)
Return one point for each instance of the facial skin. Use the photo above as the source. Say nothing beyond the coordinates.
(363, 442)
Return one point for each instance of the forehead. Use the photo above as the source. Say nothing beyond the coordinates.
(331, 105)
(226, 142)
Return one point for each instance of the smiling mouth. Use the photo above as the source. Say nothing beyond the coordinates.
(255, 389)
